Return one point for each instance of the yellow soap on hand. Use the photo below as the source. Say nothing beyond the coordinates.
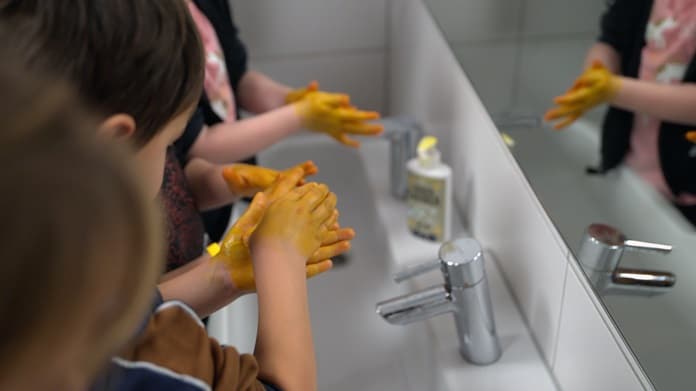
(213, 249)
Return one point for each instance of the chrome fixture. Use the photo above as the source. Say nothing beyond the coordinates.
(464, 294)
(600, 253)
(403, 135)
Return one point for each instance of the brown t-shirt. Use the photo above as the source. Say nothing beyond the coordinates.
(175, 340)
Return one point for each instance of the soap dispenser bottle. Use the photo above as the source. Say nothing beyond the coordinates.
(429, 193)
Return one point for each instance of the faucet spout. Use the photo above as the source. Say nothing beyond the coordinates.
(416, 306)
(465, 295)
(600, 254)
(403, 135)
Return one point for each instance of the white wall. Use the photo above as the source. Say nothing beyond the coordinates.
(519, 54)
(340, 43)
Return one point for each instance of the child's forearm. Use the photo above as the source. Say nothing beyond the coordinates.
(233, 142)
(206, 287)
(606, 54)
(208, 185)
(284, 347)
(258, 93)
(667, 102)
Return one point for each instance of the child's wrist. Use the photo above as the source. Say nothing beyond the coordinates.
(222, 278)
(277, 253)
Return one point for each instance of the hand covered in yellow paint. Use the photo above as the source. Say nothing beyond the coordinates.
(332, 113)
(595, 86)
(234, 253)
(246, 180)
(298, 220)
(300, 93)
(691, 136)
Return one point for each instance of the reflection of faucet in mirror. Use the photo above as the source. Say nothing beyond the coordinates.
(403, 135)
(600, 253)
(464, 294)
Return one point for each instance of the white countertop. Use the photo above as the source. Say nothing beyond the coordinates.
(521, 366)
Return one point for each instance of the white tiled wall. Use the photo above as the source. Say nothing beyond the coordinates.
(483, 59)
(478, 20)
(360, 75)
(340, 43)
(577, 340)
(588, 356)
(562, 17)
(499, 43)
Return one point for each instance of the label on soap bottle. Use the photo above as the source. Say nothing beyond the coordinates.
(426, 209)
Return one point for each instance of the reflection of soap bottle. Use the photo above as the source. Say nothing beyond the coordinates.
(429, 193)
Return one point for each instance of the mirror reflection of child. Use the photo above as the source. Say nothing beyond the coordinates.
(643, 67)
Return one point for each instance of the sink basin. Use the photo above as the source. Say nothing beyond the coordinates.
(356, 349)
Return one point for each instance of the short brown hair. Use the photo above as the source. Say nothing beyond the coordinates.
(80, 242)
(139, 57)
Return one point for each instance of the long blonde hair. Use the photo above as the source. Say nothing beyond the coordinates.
(80, 244)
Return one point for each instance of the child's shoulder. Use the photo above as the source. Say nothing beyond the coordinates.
(174, 352)
(156, 364)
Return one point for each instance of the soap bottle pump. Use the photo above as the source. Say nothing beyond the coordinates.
(429, 193)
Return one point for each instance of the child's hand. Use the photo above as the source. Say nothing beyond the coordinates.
(298, 221)
(246, 180)
(234, 252)
(595, 86)
(691, 136)
(300, 93)
(332, 114)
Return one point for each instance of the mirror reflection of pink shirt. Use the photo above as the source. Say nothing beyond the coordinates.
(217, 82)
(670, 45)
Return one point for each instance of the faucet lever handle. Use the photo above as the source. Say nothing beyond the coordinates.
(637, 245)
(416, 270)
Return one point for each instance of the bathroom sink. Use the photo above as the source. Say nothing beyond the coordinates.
(356, 349)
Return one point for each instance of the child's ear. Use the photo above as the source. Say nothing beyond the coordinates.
(117, 127)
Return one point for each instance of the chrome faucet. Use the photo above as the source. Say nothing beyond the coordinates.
(464, 294)
(599, 255)
(403, 135)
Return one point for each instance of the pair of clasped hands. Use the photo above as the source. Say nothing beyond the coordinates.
(300, 217)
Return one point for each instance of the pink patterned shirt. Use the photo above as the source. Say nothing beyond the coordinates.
(217, 83)
(670, 45)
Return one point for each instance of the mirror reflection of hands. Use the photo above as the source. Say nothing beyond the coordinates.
(596, 85)
(333, 114)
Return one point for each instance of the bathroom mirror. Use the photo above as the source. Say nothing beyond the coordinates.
(519, 55)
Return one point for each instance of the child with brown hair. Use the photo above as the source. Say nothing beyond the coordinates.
(146, 99)
(96, 241)
(118, 54)
(81, 244)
